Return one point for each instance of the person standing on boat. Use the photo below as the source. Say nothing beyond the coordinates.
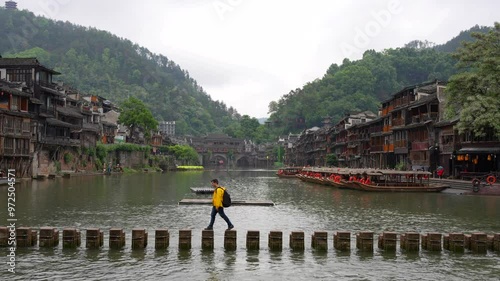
(217, 206)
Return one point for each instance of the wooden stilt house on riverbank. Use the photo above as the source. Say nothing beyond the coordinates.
(410, 133)
(41, 120)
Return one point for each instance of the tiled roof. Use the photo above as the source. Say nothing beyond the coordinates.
(69, 112)
(59, 123)
(15, 92)
(16, 62)
(109, 124)
(19, 61)
(52, 91)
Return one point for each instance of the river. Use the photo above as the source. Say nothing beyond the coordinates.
(151, 201)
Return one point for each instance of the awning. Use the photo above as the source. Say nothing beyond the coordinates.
(59, 123)
(480, 150)
(72, 112)
(52, 91)
(36, 101)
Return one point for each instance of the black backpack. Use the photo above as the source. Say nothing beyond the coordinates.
(226, 199)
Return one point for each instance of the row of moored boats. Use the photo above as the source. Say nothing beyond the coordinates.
(365, 179)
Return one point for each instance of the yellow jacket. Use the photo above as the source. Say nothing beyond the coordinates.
(217, 197)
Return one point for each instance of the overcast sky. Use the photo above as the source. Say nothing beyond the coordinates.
(248, 53)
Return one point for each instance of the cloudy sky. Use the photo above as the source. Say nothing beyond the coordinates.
(248, 53)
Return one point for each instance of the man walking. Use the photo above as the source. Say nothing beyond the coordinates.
(217, 206)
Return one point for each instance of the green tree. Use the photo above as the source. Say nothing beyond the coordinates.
(136, 114)
(185, 153)
(248, 127)
(331, 160)
(474, 95)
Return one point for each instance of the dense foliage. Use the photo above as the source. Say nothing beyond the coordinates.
(185, 154)
(474, 94)
(100, 63)
(135, 113)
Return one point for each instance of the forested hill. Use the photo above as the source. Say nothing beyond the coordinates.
(454, 44)
(98, 62)
(356, 86)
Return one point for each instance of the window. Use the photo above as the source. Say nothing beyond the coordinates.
(13, 104)
(26, 126)
(19, 75)
(23, 104)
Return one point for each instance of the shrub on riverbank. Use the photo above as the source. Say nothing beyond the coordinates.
(190, 168)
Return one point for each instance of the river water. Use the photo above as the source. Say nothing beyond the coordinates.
(151, 201)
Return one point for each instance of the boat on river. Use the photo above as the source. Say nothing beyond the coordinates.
(288, 172)
(377, 180)
(397, 181)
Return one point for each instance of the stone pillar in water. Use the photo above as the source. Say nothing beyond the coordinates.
(71, 238)
(253, 240)
(342, 241)
(185, 239)
(364, 241)
(230, 240)
(275, 241)
(319, 240)
(116, 238)
(49, 237)
(297, 240)
(139, 238)
(162, 239)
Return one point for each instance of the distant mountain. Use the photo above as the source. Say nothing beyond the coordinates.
(100, 63)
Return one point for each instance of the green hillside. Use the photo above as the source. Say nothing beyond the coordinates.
(356, 86)
(98, 62)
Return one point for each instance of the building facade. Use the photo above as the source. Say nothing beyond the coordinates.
(410, 132)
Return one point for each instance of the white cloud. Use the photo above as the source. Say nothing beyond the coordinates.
(252, 52)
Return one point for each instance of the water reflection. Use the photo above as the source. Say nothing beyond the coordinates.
(116, 255)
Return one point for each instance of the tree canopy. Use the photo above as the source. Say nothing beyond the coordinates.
(185, 153)
(474, 94)
(135, 113)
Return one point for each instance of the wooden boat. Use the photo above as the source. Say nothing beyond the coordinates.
(288, 172)
(397, 181)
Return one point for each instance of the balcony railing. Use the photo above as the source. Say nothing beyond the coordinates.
(60, 141)
(398, 122)
(430, 116)
(10, 151)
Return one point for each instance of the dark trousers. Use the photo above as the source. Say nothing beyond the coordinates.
(222, 215)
